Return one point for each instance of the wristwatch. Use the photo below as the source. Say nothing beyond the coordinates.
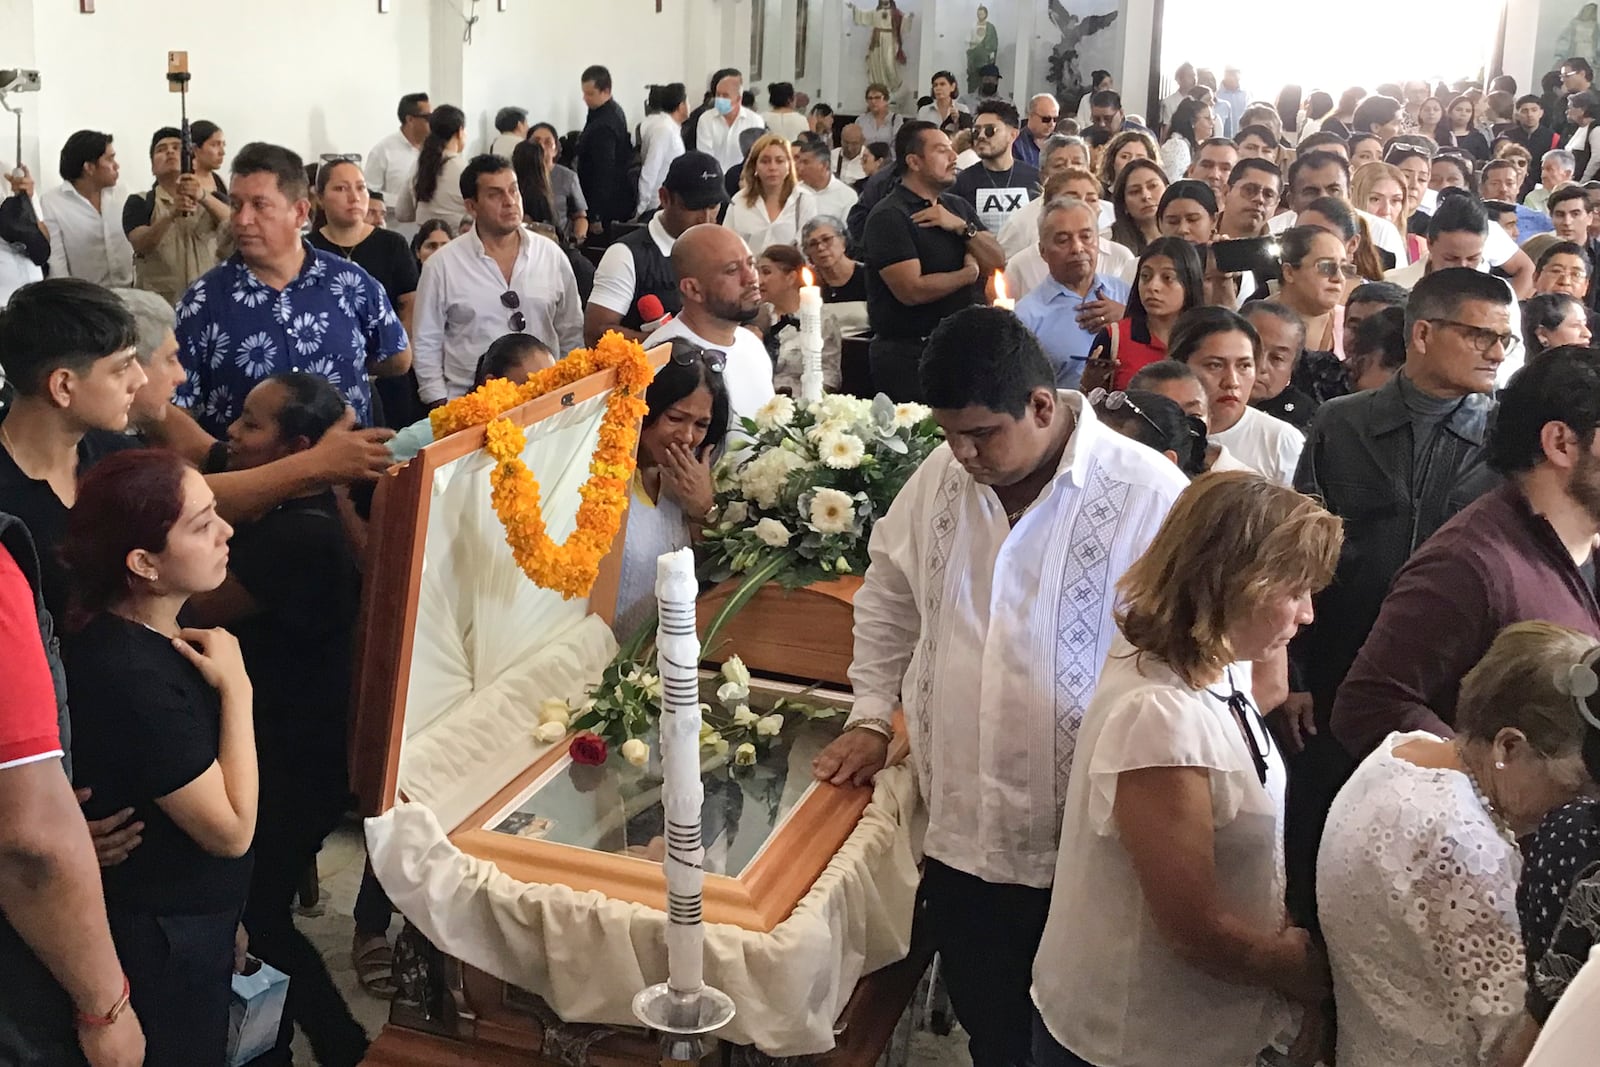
(970, 232)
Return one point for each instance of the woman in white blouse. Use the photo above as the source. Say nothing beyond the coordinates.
(434, 189)
(771, 207)
(1167, 941)
(1418, 870)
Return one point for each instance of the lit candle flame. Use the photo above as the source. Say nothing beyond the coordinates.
(1002, 298)
(806, 276)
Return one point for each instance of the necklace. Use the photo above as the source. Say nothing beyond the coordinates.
(1499, 820)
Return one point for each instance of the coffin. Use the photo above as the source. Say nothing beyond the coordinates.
(804, 633)
(529, 885)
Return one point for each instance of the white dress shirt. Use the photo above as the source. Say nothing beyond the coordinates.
(614, 280)
(836, 198)
(848, 171)
(447, 204)
(992, 637)
(786, 124)
(719, 138)
(458, 312)
(389, 164)
(660, 142)
(747, 374)
(759, 231)
(1264, 443)
(1026, 269)
(16, 270)
(85, 243)
(1384, 235)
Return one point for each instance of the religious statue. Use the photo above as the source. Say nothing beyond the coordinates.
(1065, 76)
(1581, 38)
(983, 49)
(886, 54)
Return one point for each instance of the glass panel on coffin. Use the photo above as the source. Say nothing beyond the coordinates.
(616, 807)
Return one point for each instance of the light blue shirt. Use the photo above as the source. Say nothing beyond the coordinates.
(1050, 310)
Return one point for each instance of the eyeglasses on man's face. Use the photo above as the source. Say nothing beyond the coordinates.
(1479, 338)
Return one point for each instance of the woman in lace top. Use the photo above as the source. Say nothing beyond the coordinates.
(1166, 941)
(1417, 874)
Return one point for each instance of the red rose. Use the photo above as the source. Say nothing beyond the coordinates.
(588, 749)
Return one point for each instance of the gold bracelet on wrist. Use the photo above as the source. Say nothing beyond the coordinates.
(882, 727)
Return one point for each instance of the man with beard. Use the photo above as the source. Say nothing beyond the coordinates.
(1517, 553)
(927, 257)
(1001, 185)
(721, 292)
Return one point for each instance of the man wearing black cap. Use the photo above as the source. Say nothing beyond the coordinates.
(175, 226)
(988, 88)
(639, 265)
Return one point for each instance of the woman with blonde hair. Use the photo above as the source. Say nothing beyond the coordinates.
(1381, 189)
(1167, 941)
(1418, 870)
(771, 207)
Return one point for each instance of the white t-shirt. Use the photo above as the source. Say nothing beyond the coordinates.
(748, 373)
(614, 280)
(1106, 982)
(1264, 443)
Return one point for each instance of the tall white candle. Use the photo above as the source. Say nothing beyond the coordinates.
(810, 339)
(683, 795)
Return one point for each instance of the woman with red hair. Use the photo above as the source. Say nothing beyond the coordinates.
(161, 720)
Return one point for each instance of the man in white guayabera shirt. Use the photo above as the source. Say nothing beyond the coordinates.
(986, 611)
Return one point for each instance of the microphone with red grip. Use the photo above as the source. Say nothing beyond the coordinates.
(652, 315)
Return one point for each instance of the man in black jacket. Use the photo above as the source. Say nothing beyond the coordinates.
(605, 151)
(1394, 463)
(1533, 133)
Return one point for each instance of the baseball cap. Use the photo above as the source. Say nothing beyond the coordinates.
(696, 179)
(988, 70)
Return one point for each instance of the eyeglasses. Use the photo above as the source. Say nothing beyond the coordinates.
(1403, 151)
(1243, 712)
(685, 355)
(342, 157)
(821, 241)
(1333, 268)
(1048, 120)
(988, 129)
(1100, 399)
(1480, 338)
(1254, 191)
(511, 301)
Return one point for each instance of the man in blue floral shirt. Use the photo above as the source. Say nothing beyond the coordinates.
(281, 305)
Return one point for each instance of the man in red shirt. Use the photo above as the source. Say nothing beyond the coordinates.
(66, 1000)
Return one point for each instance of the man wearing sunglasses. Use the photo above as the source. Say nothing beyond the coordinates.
(498, 278)
(1043, 114)
(1002, 185)
(1402, 459)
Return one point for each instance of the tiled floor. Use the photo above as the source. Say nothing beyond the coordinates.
(340, 866)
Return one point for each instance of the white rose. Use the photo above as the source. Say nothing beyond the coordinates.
(744, 755)
(636, 752)
(731, 693)
(743, 716)
(772, 532)
(832, 512)
(555, 710)
(841, 451)
(720, 746)
(734, 670)
(779, 411)
(736, 513)
(548, 733)
(908, 415)
(651, 683)
(769, 725)
(842, 565)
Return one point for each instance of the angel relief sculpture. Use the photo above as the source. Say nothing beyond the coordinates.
(887, 53)
(1064, 75)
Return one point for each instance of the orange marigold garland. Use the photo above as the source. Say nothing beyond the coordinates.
(570, 568)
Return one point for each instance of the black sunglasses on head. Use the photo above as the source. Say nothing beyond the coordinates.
(685, 354)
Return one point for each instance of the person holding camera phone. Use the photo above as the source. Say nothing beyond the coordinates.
(174, 228)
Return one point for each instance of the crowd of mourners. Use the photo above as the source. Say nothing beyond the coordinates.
(1245, 627)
